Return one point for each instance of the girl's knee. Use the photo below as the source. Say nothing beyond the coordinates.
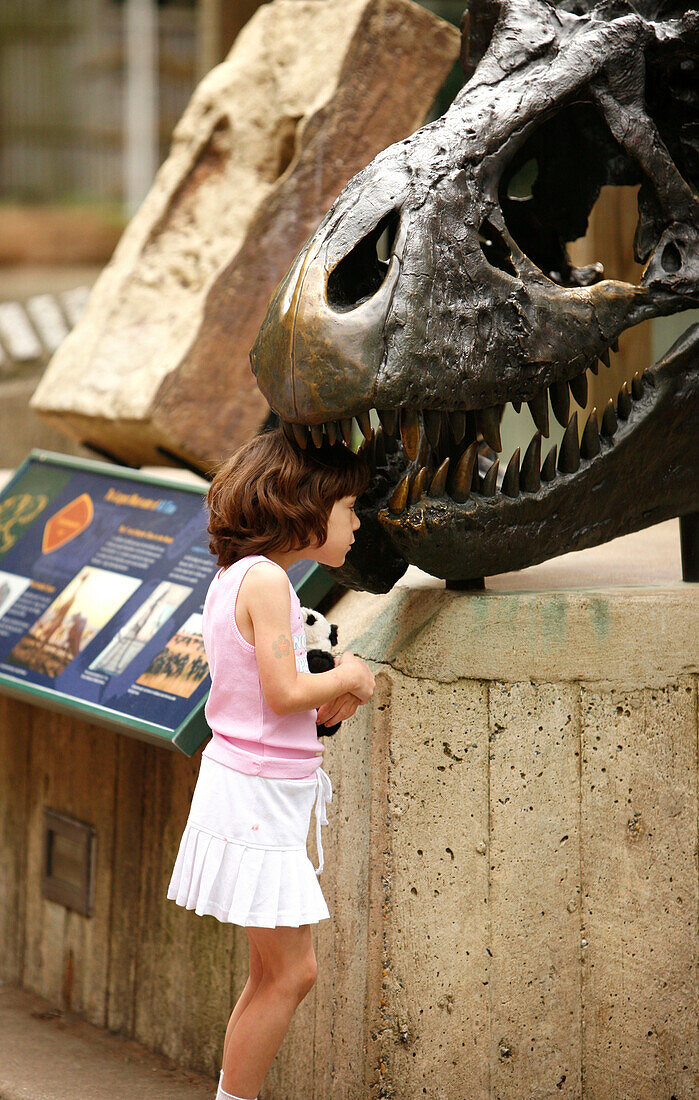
(297, 980)
(288, 960)
(307, 976)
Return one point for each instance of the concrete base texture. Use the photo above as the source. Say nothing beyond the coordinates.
(511, 855)
(513, 841)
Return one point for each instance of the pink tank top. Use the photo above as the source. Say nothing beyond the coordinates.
(247, 735)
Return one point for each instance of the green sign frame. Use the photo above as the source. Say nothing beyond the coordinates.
(311, 582)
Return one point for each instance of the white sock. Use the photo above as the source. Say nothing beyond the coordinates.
(223, 1095)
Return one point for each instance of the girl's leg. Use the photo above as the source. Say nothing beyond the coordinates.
(288, 973)
(254, 977)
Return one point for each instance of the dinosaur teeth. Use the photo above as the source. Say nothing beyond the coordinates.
(379, 448)
(399, 497)
(510, 482)
(418, 485)
(333, 432)
(346, 429)
(590, 442)
(422, 451)
(388, 419)
(460, 483)
(637, 387)
(300, 435)
(529, 478)
(364, 422)
(623, 404)
(609, 421)
(410, 431)
(476, 476)
(569, 457)
(438, 483)
(539, 408)
(490, 481)
(560, 401)
(578, 388)
(488, 424)
(432, 419)
(431, 437)
(548, 470)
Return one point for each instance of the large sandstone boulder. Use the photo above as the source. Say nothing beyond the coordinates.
(310, 92)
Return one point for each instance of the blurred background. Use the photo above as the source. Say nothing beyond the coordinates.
(90, 91)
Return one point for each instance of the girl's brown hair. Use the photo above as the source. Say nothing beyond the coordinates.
(271, 495)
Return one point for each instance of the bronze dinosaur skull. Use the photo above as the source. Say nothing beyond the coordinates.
(434, 292)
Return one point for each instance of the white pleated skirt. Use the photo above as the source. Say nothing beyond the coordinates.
(242, 857)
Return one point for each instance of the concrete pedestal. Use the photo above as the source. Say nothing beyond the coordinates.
(512, 842)
(510, 855)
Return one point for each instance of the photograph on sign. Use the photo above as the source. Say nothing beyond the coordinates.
(72, 620)
(182, 665)
(130, 639)
(11, 588)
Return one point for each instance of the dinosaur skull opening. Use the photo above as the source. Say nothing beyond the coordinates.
(671, 258)
(552, 183)
(672, 101)
(494, 247)
(360, 274)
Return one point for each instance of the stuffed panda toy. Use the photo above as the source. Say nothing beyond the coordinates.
(321, 636)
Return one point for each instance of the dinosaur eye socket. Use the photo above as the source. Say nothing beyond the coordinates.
(361, 272)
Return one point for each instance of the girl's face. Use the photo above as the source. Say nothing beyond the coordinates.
(342, 523)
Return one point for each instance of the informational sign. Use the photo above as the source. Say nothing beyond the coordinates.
(103, 575)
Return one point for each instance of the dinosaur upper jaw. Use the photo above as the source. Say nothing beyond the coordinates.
(642, 467)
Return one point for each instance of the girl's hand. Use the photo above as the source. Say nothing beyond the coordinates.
(363, 681)
(336, 710)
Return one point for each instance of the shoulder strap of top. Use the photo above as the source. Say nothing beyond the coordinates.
(263, 557)
(241, 566)
(239, 573)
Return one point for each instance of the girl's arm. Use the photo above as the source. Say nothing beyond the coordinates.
(285, 690)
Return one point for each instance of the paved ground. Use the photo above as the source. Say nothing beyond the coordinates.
(46, 1055)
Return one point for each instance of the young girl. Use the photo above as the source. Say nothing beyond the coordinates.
(242, 857)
